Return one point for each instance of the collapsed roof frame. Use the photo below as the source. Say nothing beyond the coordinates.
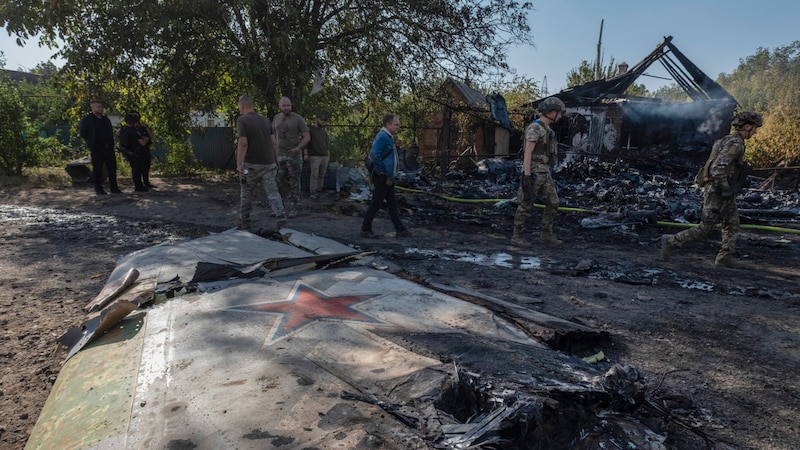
(697, 85)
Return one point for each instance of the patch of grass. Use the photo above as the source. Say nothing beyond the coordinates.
(40, 177)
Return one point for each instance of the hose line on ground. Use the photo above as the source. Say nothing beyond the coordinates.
(589, 211)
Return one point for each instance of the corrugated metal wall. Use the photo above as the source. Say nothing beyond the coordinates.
(215, 147)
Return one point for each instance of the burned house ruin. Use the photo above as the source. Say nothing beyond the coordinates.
(602, 120)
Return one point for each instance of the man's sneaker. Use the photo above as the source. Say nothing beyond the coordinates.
(100, 192)
(403, 233)
(666, 249)
(367, 234)
(520, 242)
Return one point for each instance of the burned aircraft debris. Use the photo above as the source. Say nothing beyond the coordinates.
(473, 380)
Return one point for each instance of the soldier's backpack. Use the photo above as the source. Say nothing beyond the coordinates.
(703, 176)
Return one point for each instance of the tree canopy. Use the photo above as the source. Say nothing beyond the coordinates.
(183, 55)
(768, 83)
(585, 73)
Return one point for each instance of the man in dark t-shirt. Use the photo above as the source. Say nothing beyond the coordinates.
(257, 162)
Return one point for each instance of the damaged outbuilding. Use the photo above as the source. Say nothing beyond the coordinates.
(469, 127)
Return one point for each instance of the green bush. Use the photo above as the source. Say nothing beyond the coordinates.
(13, 148)
(179, 161)
(46, 152)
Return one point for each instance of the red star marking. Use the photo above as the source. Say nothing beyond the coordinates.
(306, 305)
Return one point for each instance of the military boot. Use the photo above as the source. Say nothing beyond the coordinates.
(728, 261)
(549, 239)
(519, 241)
(666, 249)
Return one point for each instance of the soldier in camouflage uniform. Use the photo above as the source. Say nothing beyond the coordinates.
(539, 155)
(720, 178)
(292, 137)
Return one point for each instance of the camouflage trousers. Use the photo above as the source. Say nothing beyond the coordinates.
(545, 189)
(266, 176)
(716, 209)
(289, 172)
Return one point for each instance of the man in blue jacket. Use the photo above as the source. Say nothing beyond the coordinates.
(384, 156)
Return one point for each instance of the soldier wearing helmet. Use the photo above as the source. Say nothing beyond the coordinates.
(722, 178)
(539, 155)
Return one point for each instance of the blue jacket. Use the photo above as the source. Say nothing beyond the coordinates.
(384, 154)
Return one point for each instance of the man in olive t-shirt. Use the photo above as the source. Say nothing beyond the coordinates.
(292, 136)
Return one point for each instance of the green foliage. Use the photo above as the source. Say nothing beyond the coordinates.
(585, 73)
(778, 141)
(768, 83)
(350, 141)
(519, 92)
(180, 159)
(14, 152)
(168, 59)
(672, 93)
(582, 74)
(44, 104)
(639, 90)
(45, 151)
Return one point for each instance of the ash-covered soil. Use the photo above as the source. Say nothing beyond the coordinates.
(725, 341)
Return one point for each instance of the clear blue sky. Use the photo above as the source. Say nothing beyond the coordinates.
(714, 34)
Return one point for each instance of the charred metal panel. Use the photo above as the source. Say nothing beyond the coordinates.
(585, 130)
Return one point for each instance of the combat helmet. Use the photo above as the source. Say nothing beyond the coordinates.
(746, 117)
(551, 104)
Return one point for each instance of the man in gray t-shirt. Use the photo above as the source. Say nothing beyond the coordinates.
(292, 136)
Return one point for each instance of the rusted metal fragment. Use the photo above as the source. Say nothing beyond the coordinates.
(77, 337)
(113, 289)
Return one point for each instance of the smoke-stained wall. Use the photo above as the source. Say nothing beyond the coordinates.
(639, 125)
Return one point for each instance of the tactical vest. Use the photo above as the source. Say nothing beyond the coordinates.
(544, 153)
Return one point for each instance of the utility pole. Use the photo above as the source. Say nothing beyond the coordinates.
(597, 67)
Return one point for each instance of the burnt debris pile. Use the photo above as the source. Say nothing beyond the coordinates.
(643, 190)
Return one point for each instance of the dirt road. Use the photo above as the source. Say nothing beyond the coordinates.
(726, 339)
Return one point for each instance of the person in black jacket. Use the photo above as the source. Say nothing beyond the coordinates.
(134, 144)
(97, 132)
(146, 134)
